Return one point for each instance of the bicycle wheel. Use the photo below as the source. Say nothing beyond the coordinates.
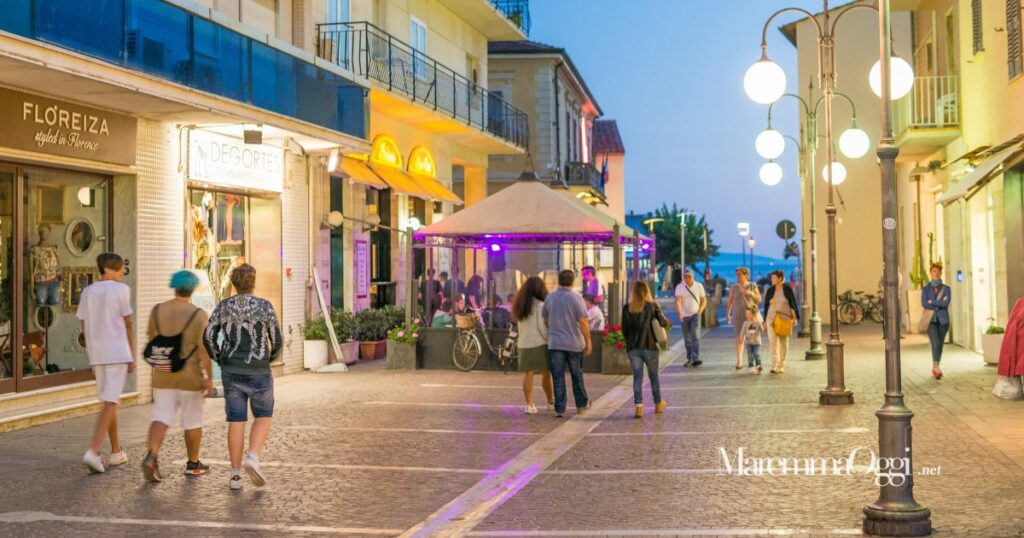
(850, 313)
(876, 313)
(467, 351)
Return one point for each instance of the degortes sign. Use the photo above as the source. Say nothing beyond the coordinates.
(33, 123)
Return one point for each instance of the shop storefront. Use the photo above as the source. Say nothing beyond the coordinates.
(54, 220)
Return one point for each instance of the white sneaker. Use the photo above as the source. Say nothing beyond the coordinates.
(235, 482)
(251, 464)
(550, 406)
(93, 462)
(752, 370)
(118, 458)
(531, 409)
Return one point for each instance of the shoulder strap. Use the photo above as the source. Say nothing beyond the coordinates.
(156, 318)
(691, 292)
(190, 318)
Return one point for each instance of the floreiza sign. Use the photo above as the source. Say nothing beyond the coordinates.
(222, 160)
(35, 123)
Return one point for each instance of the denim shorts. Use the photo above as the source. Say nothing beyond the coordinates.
(48, 293)
(244, 391)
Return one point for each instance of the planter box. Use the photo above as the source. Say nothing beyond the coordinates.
(401, 356)
(614, 361)
(372, 350)
(349, 352)
(990, 346)
(314, 354)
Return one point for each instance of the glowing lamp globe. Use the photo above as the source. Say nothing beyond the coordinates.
(771, 173)
(902, 78)
(854, 143)
(770, 144)
(840, 172)
(495, 247)
(765, 82)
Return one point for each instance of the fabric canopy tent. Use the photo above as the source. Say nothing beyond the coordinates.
(527, 212)
(601, 216)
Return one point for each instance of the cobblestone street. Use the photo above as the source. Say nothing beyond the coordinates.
(380, 453)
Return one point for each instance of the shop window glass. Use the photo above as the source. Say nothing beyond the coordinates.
(65, 215)
(7, 363)
(219, 236)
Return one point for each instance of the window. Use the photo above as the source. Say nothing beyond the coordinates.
(418, 40)
(1014, 55)
(337, 11)
(976, 28)
(950, 45)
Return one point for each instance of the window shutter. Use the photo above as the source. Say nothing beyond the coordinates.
(1013, 38)
(976, 28)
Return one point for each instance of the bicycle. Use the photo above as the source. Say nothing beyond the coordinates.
(854, 306)
(468, 347)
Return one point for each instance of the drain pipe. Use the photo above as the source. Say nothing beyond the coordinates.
(558, 130)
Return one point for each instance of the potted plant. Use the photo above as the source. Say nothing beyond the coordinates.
(402, 346)
(348, 335)
(991, 343)
(372, 328)
(314, 347)
(613, 353)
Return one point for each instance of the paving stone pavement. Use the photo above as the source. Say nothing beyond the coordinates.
(376, 453)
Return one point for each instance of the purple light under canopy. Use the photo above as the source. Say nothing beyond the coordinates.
(495, 247)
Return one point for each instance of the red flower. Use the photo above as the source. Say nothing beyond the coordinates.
(618, 345)
(605, 333)
(617, 328)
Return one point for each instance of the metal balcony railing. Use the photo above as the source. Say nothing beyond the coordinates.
(517, 11)
(584, 175)
(932, 104)
(371, 52)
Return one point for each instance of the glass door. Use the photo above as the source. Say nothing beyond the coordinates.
(8, 363)
(218, 237)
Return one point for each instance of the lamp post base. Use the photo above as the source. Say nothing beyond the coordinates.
(814, 354)
(838, 397)
(912, 520)
(816, 351)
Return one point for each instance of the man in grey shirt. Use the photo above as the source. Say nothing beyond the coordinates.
(568, 341)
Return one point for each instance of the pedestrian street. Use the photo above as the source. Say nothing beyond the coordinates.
(444, 453)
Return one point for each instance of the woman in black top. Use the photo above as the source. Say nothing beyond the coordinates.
(475, 292)
(782, 305)
(641, 344)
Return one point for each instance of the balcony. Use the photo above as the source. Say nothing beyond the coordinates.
(396, 67)
(497, 20)
(517, 11)
(165, 41)
(585, 178)
(927, 118)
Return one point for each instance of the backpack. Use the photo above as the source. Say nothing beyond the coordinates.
(164, 352)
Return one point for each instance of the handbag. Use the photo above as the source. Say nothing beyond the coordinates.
(782, 325)
(164, 352)
(660, 334)
(926, 317)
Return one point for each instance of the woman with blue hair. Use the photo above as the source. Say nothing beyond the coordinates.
(178, 395)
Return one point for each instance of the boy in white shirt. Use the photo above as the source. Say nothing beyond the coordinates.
(594, 314)
(106, 312)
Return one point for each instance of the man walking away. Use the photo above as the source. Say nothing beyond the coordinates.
(691, 300)
(243, 336)
(105, 309)
(178, 396)
(568, 341)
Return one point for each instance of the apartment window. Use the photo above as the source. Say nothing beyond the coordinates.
(338, 10)
(1015, 56)
(976, 29)
(950, 45)
(418, 40)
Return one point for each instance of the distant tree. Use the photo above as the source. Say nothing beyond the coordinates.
(668, 230)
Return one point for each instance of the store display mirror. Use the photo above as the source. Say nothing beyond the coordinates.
(75, 280)
(44, 317)
(50, 204)
(81, 236)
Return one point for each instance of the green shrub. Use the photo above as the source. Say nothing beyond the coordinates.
(995, 329)
(394, 316)
(316, 329)
(406, 334)
(345, 326)
(372, 325)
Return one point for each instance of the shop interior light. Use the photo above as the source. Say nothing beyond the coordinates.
(840, 171)
(85, 196)
(771, 173)
(770, 144)
(334, 160)
(765, 81)
(902, 75)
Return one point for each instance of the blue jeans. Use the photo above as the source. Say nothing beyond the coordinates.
(753, 355)
(244, 391)
(690, 325)
(48, 293)
(937, 337)
(559, 360)
(637, 359)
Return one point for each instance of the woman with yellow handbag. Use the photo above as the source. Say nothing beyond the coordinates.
(780, 316)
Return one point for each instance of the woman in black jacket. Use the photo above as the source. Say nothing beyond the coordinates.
(779, 302)
(641, 344)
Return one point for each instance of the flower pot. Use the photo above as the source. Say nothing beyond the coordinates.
(372, 350)
(990, 346)
(314, 354)
(614, 361)
(401, 356)
(349, 352)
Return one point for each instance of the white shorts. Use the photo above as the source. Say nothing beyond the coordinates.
(110, 379)
(169, 405)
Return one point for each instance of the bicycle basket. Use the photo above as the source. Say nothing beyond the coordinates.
(465, 321)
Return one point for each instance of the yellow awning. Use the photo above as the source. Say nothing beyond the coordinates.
(360, 172)
(400, 181)
(437, 189)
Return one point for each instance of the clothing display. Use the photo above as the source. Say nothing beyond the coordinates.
(45, 263)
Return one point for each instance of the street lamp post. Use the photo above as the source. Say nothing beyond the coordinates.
(750, 243)
(743, 228)
(895, 513)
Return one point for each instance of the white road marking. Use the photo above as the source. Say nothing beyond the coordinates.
(419, 430)
(710, 387)
(346, 467)
(434, 404)
(740, 406)
(33, 517)
(634, 471)
(748, 432)
(516, 406)
(678, 532)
